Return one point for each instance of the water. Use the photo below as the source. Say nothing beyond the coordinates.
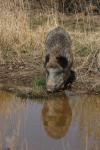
(62, 123)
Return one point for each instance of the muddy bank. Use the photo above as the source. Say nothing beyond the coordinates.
(28, 92)
(18, 73)
(19, 78)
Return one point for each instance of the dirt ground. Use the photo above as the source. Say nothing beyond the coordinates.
(19, 78)
(18, 74)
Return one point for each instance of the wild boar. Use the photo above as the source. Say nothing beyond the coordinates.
(56, 117)
(58, 60)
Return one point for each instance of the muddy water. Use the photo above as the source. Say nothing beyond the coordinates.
(61, 123)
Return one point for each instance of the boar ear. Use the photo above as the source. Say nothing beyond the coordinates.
(46, 60)
(63, 62)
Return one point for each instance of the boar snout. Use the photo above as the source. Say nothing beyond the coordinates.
(50, 86)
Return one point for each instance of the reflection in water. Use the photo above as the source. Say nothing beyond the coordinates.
(87, 113)
(56, 115)
(75, 126)
(6, 102)
(10, 119)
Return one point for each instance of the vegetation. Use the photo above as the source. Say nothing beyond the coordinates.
(23, 28)
(22, 36)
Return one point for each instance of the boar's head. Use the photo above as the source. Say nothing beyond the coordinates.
(57, 72)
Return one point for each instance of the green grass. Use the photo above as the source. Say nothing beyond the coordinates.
(39, 85)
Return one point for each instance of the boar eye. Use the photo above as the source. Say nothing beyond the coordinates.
(60, 72)
(63, 62)
(46, 59)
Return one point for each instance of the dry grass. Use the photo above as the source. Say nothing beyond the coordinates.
(22, 35)
(17, 37)
(15, 32)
